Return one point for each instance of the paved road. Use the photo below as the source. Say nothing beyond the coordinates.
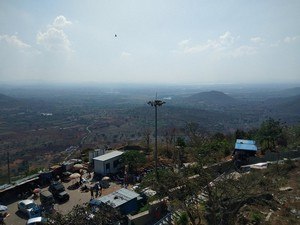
(89, 132)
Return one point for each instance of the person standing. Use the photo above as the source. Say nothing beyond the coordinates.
(100, 190)
(97, 188)
(92, 192)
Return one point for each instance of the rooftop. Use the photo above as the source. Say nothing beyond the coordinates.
(248, 145)
(243, 141)
(19, 182)
(108, 156)
(116, 198)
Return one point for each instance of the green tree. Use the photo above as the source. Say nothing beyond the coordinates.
(240, 134)
(293, 134)
(84, 215)
(180, 147)
(146, 137)
(271, 135)
(213, 149)
(180, 189)
(182, 219)
(180, 142)
(133, 159)
(195, 133)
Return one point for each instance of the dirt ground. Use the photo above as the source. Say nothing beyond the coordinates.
(77, 197)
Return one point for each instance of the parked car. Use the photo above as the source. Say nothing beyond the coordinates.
(37, 221)
(47, 202)
(29, 208)
(59, 192)
(46, 198)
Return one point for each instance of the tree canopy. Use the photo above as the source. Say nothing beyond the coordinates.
(133, 159)
(271, 134)
(85, 215)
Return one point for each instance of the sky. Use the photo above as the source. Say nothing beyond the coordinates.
(157, 41)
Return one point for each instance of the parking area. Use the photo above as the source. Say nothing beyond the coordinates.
(77, 197)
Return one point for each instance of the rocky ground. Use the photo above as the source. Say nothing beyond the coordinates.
(283, 206)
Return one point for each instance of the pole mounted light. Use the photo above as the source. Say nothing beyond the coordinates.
(156, 103)
(8, 167)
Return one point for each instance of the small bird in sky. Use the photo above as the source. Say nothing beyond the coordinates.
(116, 35)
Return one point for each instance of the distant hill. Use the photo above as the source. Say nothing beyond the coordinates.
(211, 98)
(290, 92)
(289, 104)
(6, 101)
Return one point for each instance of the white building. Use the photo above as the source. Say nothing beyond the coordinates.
(108, 163)
(95, 153)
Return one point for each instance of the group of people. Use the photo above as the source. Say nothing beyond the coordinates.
(97, 189)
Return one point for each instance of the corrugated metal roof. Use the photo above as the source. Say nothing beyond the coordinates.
(247, 147)
(117, 198)
(108, 156)
(128, 193)
(243, 141)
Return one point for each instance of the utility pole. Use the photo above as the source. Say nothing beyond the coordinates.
(156, 103)
(8, 168)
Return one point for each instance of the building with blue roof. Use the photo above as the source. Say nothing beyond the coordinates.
(245, 145)
(243, 149)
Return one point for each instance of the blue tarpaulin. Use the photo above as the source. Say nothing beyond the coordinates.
(247, 145)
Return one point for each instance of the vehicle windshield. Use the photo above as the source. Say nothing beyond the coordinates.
(59, 187)
(30, 205)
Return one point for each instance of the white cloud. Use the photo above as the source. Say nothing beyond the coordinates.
(243, 50)
(196, 48)
(184, 42)
(290, 39)
(125, 55)
(14, 41)
(226, 45)
(222, 42)
(54, 38)
(257, 40)
(61, 22)
(226, 39)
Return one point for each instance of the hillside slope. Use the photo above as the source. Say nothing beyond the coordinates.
(284, 105)
(7, 102)
(211, 98)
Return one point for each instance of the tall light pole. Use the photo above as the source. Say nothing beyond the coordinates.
(8, 167)
(156, 103)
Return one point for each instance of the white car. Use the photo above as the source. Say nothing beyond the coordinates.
(29, 207)
(37, 221)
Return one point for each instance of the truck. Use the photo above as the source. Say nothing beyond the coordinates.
(58, 191)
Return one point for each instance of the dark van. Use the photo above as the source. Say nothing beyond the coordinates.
(46, 198)
(58, 191)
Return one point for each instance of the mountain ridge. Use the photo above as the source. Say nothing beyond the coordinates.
(211, 98)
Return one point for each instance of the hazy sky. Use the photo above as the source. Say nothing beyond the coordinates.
(164, 41)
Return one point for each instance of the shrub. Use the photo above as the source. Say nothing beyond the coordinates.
(256, 217)
(182, 219)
